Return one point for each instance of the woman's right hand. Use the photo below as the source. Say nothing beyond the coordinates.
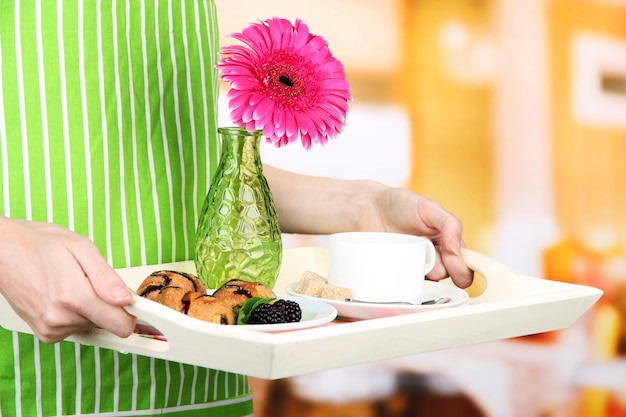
(58, 282)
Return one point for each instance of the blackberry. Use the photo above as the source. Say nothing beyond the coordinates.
(265, 314)
(281, 311)
(290, 310)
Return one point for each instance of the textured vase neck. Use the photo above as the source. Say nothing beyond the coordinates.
(240, 146)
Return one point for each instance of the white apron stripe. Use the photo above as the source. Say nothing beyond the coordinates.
(181, 384)
(116, 385)
(168, 169)
(37, 359)
(138, 201)
(207, 384)
(105, 133)
(6, 199)
(65, 116)
(148, 115)
(59, 378)
(192, 123)
(152, 383)
(79, 377)
(216, 384)
(18, 375)
(120, 133)
(194, 385)
(98, 387)
(85, 120)
(179, 134)
(135, 388)
(44, 112)
(22, 111)
(168, 379)
(204, 89)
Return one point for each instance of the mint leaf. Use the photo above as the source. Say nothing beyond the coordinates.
(244, 312)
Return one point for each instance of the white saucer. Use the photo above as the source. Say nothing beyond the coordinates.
(361, 311)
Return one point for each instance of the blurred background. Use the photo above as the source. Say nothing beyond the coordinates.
(512, 114)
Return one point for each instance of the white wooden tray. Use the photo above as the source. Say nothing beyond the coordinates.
(511, 305)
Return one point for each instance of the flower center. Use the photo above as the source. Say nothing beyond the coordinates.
(286, 81)
(284, 76)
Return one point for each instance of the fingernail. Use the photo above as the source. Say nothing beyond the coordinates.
(455, 248)
(120, 293)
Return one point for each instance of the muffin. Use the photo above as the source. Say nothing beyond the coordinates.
(236, 292)
(152, 286)
(186, 294)
(209, 308)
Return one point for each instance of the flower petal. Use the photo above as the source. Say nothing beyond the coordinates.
(285, 81)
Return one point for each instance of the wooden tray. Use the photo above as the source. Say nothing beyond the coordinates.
(511, 305)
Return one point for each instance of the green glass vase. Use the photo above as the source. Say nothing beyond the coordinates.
(238, 235)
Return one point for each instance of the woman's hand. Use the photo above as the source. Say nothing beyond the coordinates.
(403, 211)
(58, 282)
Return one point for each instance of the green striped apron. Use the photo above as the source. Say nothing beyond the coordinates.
(108, 127)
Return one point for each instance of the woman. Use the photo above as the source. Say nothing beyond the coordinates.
(107, 142)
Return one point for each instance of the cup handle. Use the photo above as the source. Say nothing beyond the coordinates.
(431, 256)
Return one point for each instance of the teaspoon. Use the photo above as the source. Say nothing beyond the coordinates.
(441, 300)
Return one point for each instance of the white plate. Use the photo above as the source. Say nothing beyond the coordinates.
(315, 312)
(361, 311)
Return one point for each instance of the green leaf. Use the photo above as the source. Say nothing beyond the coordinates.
(244, 312)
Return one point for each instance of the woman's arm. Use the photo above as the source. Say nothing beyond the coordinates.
(317, 205)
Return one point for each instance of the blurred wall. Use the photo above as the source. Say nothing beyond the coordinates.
(447, 75)
(588, 77)
(510, 113)
(363, 34)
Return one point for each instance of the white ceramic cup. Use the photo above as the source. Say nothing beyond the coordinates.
(379, 266)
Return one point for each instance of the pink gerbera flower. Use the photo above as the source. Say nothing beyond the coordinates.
(285, 82)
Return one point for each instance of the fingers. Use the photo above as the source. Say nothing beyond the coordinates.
(112, 318)
(450, 263)
(69, 316)
(104, 280)
(72, 305)
(455, 265)
(439, 270)
(108, 292)
(450, 259)
(52, 328)
(55, 312)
